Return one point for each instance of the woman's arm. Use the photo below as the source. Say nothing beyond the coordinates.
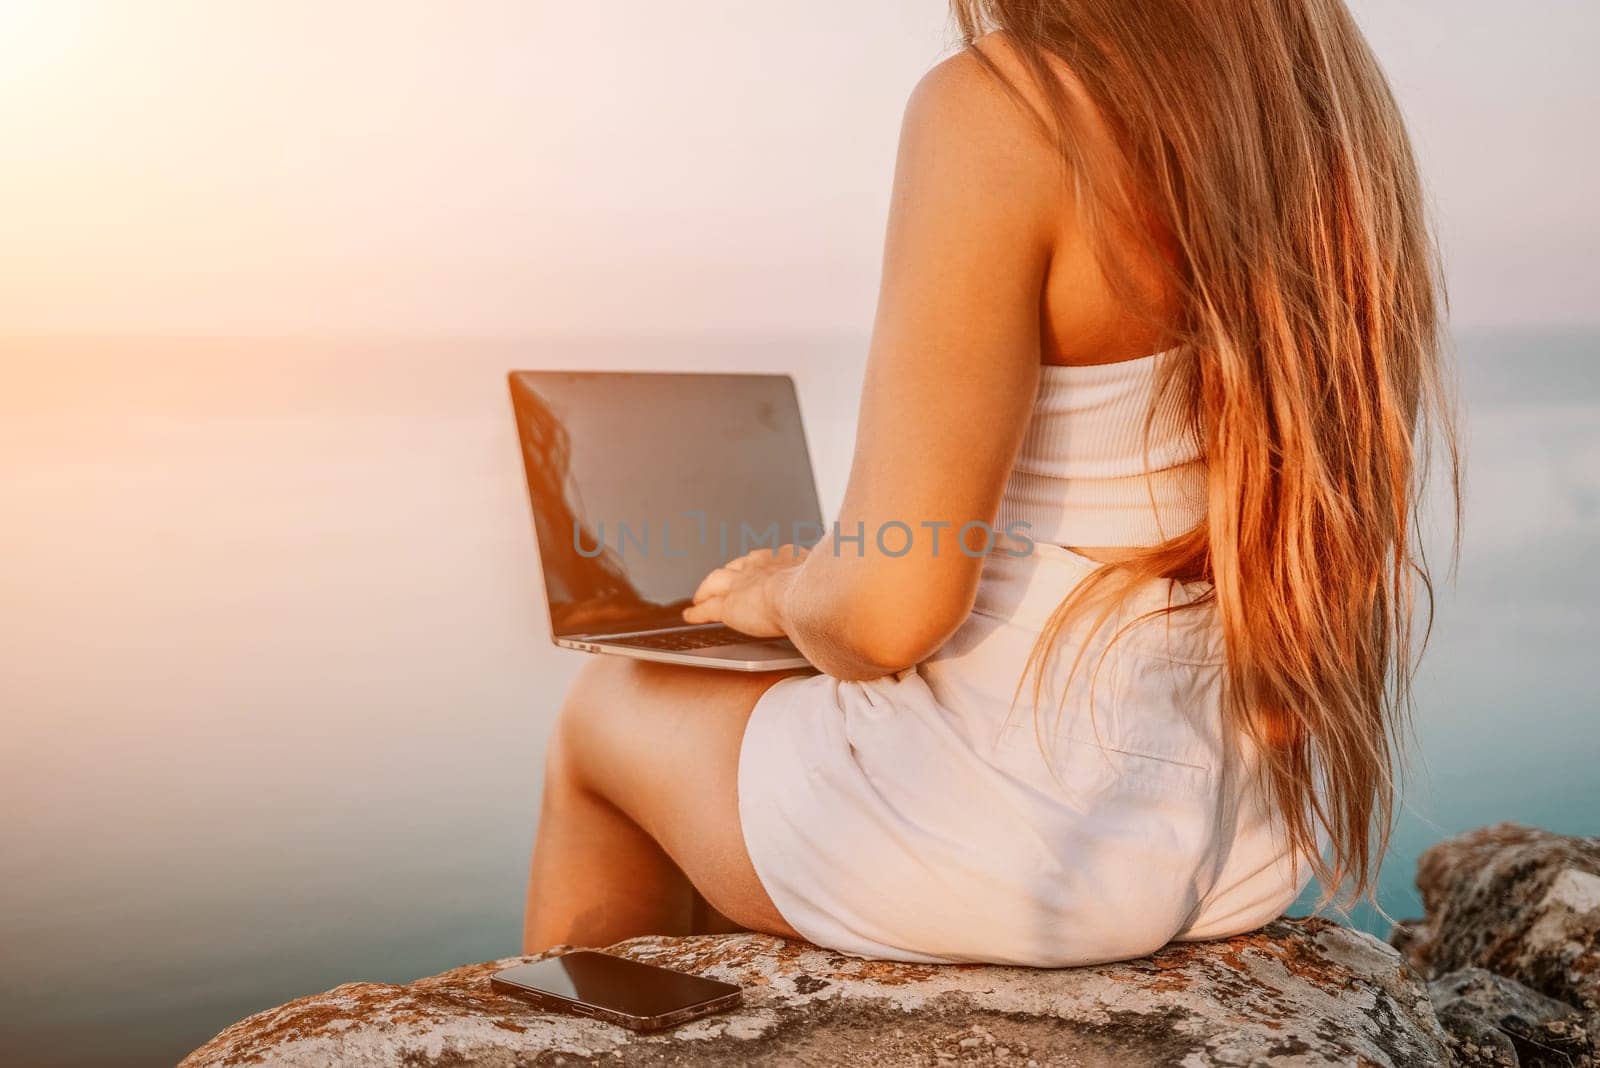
(950, 383)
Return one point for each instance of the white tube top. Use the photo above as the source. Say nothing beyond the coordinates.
(1081, 477)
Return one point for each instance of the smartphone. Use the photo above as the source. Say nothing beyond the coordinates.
(620, 991)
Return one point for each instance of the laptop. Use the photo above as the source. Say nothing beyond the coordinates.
(641, 485)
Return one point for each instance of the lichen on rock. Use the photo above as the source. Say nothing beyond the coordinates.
(1498, 1021)
(1511, 944)
(1297, 992)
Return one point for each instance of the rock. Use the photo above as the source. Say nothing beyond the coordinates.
(1476, 1042)
(1520, 1026)
(1297, 992)
(1512, 932)
(1519, 902)
(1407, 935)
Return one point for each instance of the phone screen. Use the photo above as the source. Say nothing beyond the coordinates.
(615, 983)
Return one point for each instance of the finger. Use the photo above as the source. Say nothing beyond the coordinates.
(716, 584)
(756, 557)
(709, 611)
(740, 563)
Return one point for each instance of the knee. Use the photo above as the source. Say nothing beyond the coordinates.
(591, 719)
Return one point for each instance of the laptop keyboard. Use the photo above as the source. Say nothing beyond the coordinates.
(677, 641)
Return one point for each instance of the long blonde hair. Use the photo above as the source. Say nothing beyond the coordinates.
(1257, 149)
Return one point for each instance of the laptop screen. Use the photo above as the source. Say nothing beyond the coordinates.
(641, 484)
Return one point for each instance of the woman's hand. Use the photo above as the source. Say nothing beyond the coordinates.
(747, 594)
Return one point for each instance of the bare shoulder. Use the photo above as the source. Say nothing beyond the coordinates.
(974, 120)
(978, 159)
(986, 87)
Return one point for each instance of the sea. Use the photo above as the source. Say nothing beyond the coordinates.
(275, 679)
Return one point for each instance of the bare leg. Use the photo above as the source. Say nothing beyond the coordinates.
(595, 872)
(641, 808)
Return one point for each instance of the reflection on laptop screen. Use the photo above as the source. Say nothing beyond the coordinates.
(641, 484)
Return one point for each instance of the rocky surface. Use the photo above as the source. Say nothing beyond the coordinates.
(1510, 949)
(1511, 944)
(1495, 1020)
(1297, 992)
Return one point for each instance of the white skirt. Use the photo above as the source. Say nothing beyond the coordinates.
(917, 817)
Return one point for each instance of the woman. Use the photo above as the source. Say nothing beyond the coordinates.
(1180, 702)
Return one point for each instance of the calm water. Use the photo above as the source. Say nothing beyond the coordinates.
(275, 684)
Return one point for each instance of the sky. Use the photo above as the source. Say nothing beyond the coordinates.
(516, 166)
